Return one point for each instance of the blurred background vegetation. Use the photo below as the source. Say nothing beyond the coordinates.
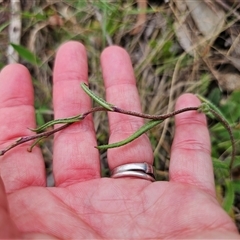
(175, 47)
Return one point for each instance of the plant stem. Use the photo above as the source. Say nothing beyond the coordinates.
(154, 117)
(24, 139)
(42, 135)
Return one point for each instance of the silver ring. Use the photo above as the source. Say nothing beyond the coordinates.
(139, 170)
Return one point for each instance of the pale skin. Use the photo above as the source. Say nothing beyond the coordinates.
(83, 205)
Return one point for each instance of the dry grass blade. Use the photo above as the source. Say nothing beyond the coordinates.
(15, 27)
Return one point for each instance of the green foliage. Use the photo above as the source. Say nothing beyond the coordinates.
(26, 54)
(3, 26)
(110, 18)
(236, 185)
(34, 16)
(229, 197)
(231, 107)
(39, 117)
(215, 96)
(221, 145)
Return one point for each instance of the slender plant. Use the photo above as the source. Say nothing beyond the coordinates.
(205, 107)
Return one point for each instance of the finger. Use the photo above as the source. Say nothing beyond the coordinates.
(191, 151)
(75, 158)
(19, 168)
(121, 91)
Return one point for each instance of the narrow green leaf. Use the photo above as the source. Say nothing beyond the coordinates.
(4, 25)
(135, 135)
(35, 143)
(236, 162)
(99, 100)
(57, 121)
(26, 54)
(236, 185)
(217, 164)
(229, 197)
(39, 118)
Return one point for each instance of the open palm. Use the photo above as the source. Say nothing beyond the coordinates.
(84, 205)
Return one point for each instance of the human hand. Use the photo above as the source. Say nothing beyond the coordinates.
(82, 204)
